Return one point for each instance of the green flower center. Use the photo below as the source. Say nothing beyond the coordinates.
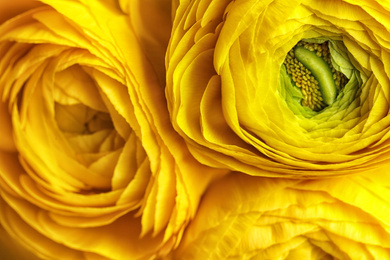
(310, 68)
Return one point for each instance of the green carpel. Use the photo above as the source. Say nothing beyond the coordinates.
(320, 70)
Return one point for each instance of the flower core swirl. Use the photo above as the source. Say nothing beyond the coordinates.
(89, 155)
(232, 99)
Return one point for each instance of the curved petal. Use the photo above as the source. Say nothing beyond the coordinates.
(244, 216)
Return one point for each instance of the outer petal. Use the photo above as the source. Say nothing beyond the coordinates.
(244, 217)
(12, 250)
(152, 23)
(9, 9)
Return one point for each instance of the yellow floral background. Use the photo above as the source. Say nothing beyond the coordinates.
(166, 129)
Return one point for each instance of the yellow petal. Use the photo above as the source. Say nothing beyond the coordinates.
(11, 9)
(243, 217)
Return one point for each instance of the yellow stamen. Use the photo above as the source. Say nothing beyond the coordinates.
(305, 81)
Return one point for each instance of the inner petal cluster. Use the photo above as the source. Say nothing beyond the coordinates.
(82, 115)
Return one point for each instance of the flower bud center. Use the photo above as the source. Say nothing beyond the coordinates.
(310, 68)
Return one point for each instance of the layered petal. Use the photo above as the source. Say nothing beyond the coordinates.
(247, 217)
(227, 97)
(90, 167)
(10, 9)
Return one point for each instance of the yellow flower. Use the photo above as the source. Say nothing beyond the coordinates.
(233, 100)
(90, 167)
(248, 217)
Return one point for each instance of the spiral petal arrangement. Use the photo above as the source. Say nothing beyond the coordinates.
(89, 167)
(228, 97)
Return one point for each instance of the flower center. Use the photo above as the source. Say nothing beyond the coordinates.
(81, 119)
(310, 67)
(82, 115)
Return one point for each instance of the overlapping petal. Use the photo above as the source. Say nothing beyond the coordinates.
(247, 217)
(225, 96)
(90, 168)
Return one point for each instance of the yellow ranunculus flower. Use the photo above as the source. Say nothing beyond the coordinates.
(232, 98)
(248, 217)
(90, 167)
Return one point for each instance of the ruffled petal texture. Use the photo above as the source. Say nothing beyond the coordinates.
(11, 9)
(90, 167)
(226, 96)
(247, 217)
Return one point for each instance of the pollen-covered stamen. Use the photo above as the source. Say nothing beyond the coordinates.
(304, 80)
(311, 69)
